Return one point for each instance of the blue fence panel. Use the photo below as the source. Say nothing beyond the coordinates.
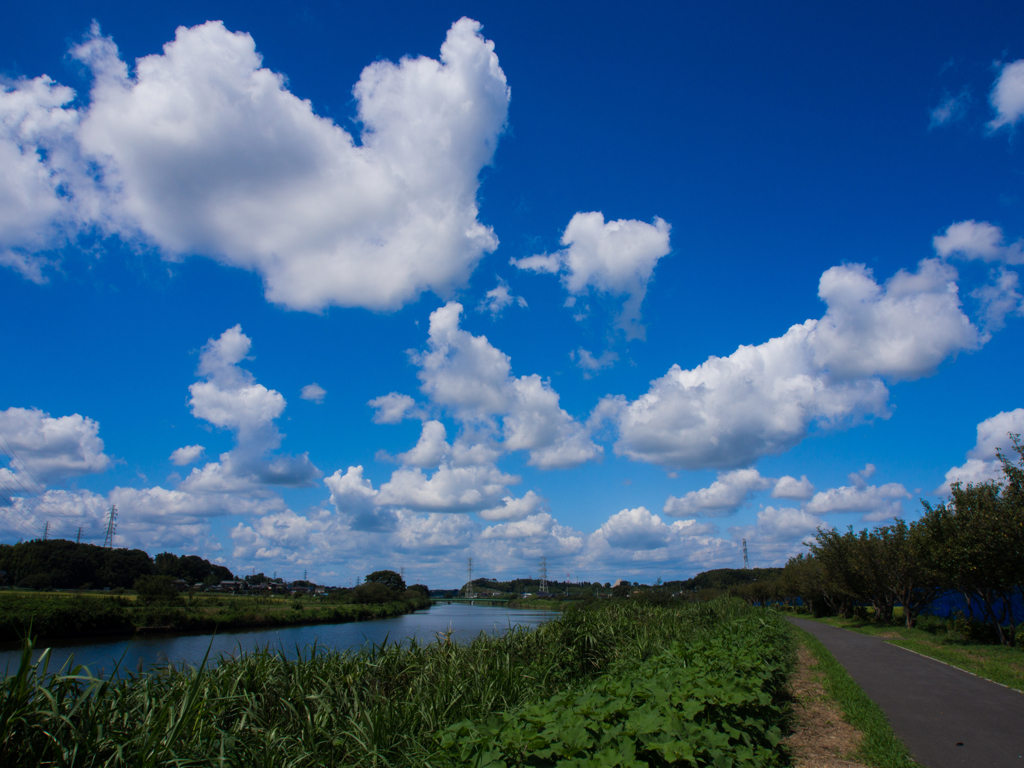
(954, 604)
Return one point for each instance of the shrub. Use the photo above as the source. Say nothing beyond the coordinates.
(373, 593)
(156, 589)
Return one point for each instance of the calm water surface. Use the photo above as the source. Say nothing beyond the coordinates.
(464, 621)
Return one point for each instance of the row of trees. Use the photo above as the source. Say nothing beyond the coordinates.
(61, 564)
(973, 544)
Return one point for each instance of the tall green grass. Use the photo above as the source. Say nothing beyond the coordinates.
(389, 705)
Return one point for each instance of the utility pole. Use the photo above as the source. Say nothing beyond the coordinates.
(108, 539)
(746, 565)
(46, 530)
(543, 576)
(78, 538)
(469, 584)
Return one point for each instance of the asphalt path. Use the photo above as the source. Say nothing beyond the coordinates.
(947, 717)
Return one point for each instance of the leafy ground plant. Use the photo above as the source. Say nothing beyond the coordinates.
(714, 701)
(395, 705)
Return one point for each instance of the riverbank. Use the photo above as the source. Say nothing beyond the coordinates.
(615, 682)
(539, 604)
(70, 616)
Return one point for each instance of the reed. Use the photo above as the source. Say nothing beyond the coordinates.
(386, 705)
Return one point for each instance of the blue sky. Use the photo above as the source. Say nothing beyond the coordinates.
(624, 287)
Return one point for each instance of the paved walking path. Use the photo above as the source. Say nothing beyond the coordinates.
(946, 717)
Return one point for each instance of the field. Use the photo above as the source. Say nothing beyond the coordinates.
(612, 683)
(55, 615)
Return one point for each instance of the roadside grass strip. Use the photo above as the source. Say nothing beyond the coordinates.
(718, 701)
(879, 747)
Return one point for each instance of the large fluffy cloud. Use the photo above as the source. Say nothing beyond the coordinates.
(982, 464)
(48, 448)
(615, 257)
(763, 399)
(204, 151)
(46, 193)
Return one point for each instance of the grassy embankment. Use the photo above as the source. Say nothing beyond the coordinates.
(619, 683)
(950, 641)
(57, 616)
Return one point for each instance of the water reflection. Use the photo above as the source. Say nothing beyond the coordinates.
(141, 653)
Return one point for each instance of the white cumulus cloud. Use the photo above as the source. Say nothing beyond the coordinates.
(1007, 95)
(393, 408)
(728, 412)
(982, 464)
(723, 497)
(203, 150)
(874, 502)
(473, 380)
(972, 239)
(186, 454)
(788, 487)
(313, 392)
(615, 257)
(50, 449)
(498, 299)
(431, 448)
(229, 397)
(512, 508)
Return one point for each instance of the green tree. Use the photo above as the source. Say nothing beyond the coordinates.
(389, 579)
(979, 534)
(374, 592)
(156, 589)
(910, 566)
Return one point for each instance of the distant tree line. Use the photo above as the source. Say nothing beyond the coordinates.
(972, 544)
(61, 564)
(385, 586)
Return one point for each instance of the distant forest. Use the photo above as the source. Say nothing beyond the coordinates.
(60, 564)
(718, 579)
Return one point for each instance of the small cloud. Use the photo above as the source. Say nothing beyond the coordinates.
(314, 392)
(498, 299)
(186, 455)
(591, 364)
(951, 109)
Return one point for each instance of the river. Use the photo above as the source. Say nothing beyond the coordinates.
(144, 651)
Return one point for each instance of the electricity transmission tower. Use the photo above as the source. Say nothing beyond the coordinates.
(46, 530)
(108, 539)
(543, 576)
(746, 565)
(469, 584)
